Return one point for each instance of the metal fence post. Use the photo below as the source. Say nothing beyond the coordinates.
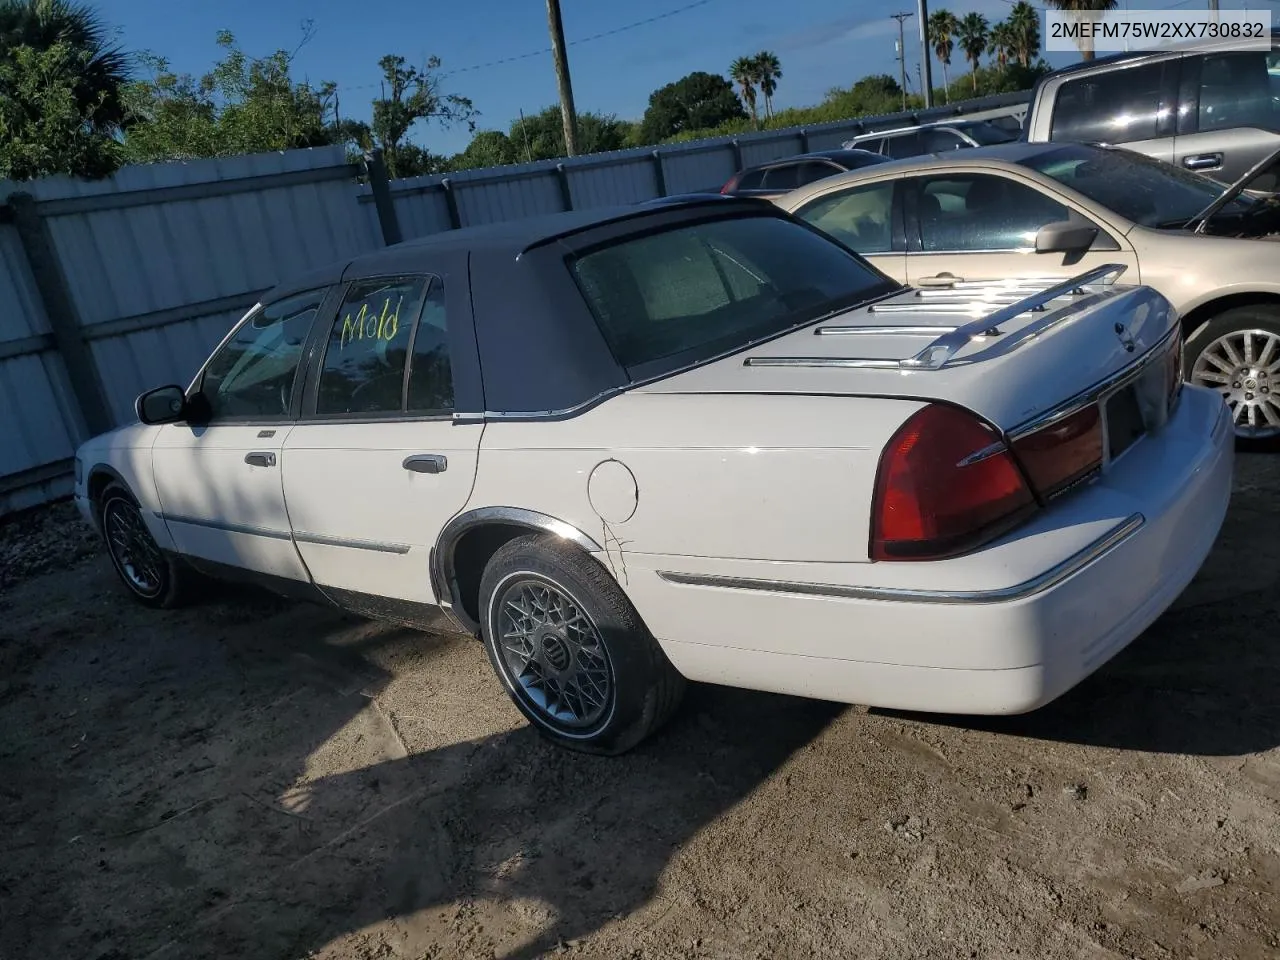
(51, 283)
(737, 155)
(566, 195)
(376, 168)
(659, 173)
(451, 203)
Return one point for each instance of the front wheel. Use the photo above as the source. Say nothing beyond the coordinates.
(1237, 353)
(151, 577)
(571, 650)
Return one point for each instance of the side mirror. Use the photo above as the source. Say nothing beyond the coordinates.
(161, 405)
(1065, 236)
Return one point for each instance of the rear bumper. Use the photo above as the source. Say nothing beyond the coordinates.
(1004, 631)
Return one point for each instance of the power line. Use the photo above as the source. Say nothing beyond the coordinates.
(572, 43)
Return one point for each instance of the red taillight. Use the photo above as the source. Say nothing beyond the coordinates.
(947, 484)
(729, 184)
(1058, 455)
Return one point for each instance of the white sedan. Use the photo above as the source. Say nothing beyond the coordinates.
(698, 441)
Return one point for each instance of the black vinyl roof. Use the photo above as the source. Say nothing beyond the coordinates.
(522, 337)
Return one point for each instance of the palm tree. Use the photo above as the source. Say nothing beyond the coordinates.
(1002, 43)
(972, 34)
(768, 73)
(942, 31)
(1084, 6)
(1025, 25)
(99, 86)
(743, 72)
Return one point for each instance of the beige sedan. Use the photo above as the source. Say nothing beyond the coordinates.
(1055, 210)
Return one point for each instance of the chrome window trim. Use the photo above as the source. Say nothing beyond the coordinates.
(1020, 591)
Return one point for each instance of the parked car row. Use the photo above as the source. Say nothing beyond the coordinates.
(912, 432)
(1049, 210)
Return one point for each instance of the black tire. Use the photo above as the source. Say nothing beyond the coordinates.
(170, 582)
(643, 688)
(1263, 318)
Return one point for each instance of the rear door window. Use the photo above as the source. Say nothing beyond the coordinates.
(903, 145)
(940, 141)
(1237, 90)
(1114, 106)
(364, 362)
(781, 177)
(813, 171)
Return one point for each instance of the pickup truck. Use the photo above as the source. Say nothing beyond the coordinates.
(1214, 108)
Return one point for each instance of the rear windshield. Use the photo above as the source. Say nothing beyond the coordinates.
(710, 288)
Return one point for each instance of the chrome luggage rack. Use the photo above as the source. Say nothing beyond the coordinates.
(1010, 298)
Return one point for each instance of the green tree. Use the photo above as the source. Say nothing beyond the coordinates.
(488, 148)
(768, 71)
(45, 36)
(972, 36)
(1025, 24)
(942, 29)
(243, 105)
(1002, 44)
(743, 72)
(693, 102)
(540, 136)
(43, 130)
(1081, 7)
(411, 96)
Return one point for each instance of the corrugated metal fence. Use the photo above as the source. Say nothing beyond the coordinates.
(111, 287)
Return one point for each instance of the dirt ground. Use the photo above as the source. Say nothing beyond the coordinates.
(249, 778)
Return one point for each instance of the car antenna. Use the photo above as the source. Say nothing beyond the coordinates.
(1202, 218)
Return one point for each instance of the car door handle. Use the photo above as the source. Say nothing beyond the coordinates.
(260, 459)
(426, 463)
(1203, 161)
(940, 280)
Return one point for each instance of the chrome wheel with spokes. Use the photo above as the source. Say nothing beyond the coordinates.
(570, 649)
(553, 652)
(1244, 366)
(133, 550)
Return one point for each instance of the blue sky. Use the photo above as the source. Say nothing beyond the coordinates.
(821, 43)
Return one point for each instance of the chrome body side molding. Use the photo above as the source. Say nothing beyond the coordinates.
(1050, 578)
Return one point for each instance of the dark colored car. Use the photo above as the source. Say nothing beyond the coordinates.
(773, 179)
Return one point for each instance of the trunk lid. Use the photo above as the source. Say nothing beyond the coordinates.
(1011, 351)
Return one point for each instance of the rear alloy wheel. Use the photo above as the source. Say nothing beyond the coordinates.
(151, 577)
(1237, 353)
(570, 649)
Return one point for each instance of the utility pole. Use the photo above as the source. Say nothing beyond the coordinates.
(902, 56)
(567, 113)
(927, 82)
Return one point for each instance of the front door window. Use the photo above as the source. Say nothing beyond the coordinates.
(252, 374)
